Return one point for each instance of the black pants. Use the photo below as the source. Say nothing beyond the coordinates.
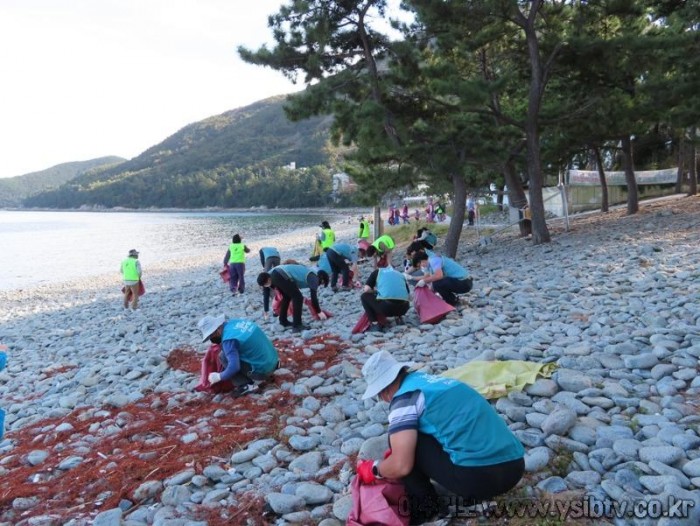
(472, 484)
(290, 293)
(338, 266)
(387, 308)
(448, 288)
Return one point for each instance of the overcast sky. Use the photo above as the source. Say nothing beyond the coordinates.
(87, 78)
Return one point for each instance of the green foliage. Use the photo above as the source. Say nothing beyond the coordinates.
(14, 189)
(234, 160)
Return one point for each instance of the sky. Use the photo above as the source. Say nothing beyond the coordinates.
(87, 78)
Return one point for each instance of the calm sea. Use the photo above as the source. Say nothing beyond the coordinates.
(45, 247)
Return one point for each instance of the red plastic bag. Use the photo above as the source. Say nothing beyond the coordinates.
(211, 363)
(225, 277)
(313, 312)
(429, 307)
(380, 504)
(142, 291)
(363, 323)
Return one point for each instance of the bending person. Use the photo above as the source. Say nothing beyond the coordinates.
(340, 257)
(269, 259)
(447, 277)
(289, 280)
(385, 294)
(247, 355)
(381, 249)
(439, 429)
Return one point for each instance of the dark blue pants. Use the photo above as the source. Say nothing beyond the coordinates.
(236, 272)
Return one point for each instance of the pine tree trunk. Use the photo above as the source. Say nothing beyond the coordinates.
(693, 172)
(499, 197)
(679, 175)
(516, 193)
(604, 205)
(632, 194)
(459, 197)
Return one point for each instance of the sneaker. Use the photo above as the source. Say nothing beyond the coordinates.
(375, 327)
(244, 389)
(285, 323)
(334, 288)
(299, 328)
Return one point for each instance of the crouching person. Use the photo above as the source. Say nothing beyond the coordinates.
(247, 355)
(439, 429)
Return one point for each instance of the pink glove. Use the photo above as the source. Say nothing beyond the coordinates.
(364, 471)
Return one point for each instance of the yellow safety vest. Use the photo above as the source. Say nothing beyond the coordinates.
(329, 238)
(236, 253)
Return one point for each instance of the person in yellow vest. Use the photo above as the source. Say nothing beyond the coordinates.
(364, 229)
(327, 236)
(131, 274)
(381, 251)
(235, 259)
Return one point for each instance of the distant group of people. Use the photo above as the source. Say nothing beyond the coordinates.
(397, 215)
(439, 429)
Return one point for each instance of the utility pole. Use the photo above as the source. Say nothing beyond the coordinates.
(378, 223)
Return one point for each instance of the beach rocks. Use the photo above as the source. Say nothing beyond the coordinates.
(618, 417)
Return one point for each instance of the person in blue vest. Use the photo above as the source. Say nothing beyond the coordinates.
(340, 257)
(247, 354)
(269, 259)
(447, 277)
(235, 259)
(439, 429)
(386, 293)
(289, 280)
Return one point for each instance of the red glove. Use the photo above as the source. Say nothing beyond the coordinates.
(364, 471)
(387, 453)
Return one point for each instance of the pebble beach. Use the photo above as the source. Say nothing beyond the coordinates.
(92, 391)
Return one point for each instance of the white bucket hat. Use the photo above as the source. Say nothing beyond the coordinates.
(379, 371)
(209, 324)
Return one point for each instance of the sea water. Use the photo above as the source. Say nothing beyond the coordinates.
(44, 247)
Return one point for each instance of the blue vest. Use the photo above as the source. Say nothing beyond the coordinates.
(345, 250)
(253, 346)
(462, 421)
(270, 252)
(450, 268)
(324, 264)
(298, 274)
(391, 285)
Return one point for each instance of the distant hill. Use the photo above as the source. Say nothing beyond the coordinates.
(13, 190)
(237, 159)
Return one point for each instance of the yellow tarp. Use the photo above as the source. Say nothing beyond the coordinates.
(497, 379)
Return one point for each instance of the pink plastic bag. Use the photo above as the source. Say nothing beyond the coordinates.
(429, 307)
(224, 275)
(379, 504)
(212, 364)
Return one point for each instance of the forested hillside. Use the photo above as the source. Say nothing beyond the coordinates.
(236, 159)
(14, 190)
